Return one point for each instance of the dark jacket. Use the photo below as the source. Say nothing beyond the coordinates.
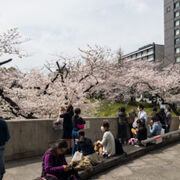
(142, 134)
(76, 120)
(4, 132)
(154, 113)
(67, 120)
(169, 118)
(122, 118)
(162, 117)
(132, 116)
(86, 147)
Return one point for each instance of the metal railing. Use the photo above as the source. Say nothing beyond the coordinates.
(162, 137)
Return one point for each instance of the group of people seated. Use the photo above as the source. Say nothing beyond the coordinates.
(139, 126)
(54, 164)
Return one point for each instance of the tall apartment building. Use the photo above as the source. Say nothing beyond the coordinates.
(150, 52)
(172, 30)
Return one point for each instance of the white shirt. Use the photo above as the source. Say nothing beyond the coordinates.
(108, 143)
(135, 124)
(143, 115)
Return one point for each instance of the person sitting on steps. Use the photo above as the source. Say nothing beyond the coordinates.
(55, 167)
(108, 141)
(86, 146)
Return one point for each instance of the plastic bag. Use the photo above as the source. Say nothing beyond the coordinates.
(162, 131)
(78, 156)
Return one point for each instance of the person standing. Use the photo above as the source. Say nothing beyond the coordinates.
(78, 124)
(67, 126)
(142, 114)
(162, 117)
(4, 137)
(168, 119)
(122, 125)
(154, 112)
(132, 116)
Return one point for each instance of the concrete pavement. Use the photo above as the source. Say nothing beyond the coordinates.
(163, 164)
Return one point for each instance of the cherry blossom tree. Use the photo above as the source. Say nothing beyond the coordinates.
(96, 73)
(9, 45)
(134, 78)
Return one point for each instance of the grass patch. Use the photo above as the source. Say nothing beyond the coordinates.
(108, 109)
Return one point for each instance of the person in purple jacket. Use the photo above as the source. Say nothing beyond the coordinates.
(55, 167)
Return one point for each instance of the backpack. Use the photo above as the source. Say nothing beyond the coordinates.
(119, 148)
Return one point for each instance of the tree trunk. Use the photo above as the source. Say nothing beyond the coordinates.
(14, 108)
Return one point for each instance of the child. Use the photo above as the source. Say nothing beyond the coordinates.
(60, 120)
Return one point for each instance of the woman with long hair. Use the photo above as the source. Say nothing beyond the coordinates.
(54, 164)
(67, 126)
(78, 124)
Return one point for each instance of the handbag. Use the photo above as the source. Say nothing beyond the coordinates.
(81, 126)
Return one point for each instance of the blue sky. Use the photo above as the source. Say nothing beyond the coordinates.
(62, 26)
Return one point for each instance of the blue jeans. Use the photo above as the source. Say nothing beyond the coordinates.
(74, 137)
(2, 168)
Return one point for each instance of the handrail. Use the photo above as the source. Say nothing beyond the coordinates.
(165, 136)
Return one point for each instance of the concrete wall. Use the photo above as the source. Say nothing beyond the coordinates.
(32, 137)
(169, 31)
(159, 52)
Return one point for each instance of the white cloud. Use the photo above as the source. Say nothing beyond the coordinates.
(138, 5)
(64, 25)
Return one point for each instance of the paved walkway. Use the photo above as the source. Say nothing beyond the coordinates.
(163, 164)
(27, 169)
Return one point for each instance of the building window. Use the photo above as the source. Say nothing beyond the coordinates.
(177, 4)
(177, 50)
(139, 55)
(177, 41)
(150, 51)
(169, 9)
(178, 59)
(151, 57)
(176, 14)
(177, 32)
(177, 23)
(144, 52)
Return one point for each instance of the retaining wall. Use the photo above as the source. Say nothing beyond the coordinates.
(32, 137)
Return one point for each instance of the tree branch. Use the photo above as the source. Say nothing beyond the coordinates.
(52, 81)
(5, 62)
(15, 109)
